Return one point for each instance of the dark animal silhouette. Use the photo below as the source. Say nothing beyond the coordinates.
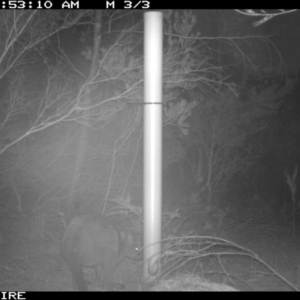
(93, 241)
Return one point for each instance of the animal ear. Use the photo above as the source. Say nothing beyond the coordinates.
(130, 238)
(122, 235)
(127, 236)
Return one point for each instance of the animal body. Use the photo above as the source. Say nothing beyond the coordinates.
(92, 241)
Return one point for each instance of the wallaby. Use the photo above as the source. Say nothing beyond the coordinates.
(94, 241)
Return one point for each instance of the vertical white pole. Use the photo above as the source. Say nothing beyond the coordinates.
(153, 62)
